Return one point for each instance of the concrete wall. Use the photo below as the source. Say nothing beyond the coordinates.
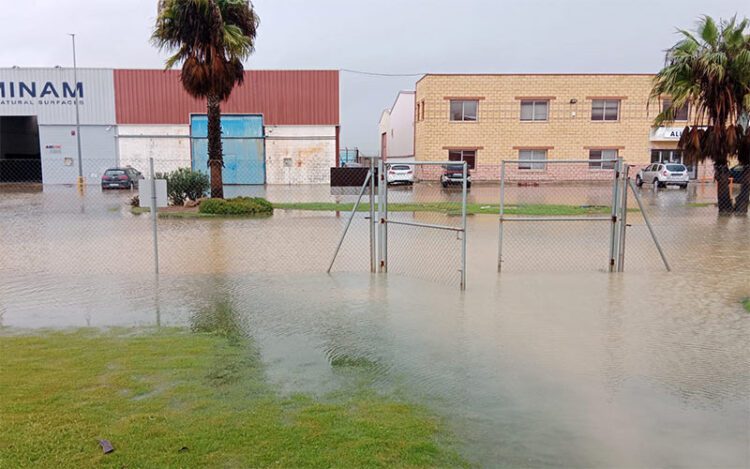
(60, 156)
(300, 154)
(168, 145)
(499, 134)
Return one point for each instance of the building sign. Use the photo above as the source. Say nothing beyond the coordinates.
(51, 94)
(40, 93)
(666, 134)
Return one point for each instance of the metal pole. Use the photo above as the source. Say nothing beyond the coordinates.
(349, 222)
(613, 228)
(650, 228)
(381, 216)
(154, 215)
(623, 219)
(373, 254)
(502, 216)
(385, 220)
(78, 118)
(463, 217)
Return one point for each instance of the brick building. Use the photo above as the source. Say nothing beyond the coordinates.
(485, 119)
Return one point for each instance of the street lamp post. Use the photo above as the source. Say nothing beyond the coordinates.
(78, 118)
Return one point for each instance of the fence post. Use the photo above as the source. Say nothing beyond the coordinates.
(154, 215)
(381, 216)
(613, 228)
(463, 217)
(502, 216)
(623, 219)
(373, 254)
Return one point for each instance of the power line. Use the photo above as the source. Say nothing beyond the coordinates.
(376, 74)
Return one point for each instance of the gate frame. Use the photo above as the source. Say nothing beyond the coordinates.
(616, 232)
(384, 220)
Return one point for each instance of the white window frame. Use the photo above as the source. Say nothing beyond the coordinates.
(596, 164)
(534, 103)
(463, 110)
(533, 163)
(606, 104)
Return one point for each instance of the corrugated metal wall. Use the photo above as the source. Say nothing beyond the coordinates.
(97, 105)
(283, 97)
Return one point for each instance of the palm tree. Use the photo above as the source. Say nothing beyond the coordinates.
(710, 70)
(211, 38)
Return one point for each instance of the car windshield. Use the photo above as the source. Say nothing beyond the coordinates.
(455, 167)
(400, 168)
(114, 172)
(675, 167)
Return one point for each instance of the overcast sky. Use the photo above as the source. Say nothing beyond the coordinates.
(386, 36)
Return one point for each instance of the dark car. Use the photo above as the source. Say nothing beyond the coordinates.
(121, 178)
(736, 172)
(453, 174)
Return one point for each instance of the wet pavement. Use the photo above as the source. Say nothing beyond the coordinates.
(550, 363)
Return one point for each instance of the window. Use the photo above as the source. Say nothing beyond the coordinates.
(605, 109)
(419, 112)
(422, 118)
(596, 157)
(470, 156)
(680, 114)
(464, 110)
(532, 159)
(534, 110)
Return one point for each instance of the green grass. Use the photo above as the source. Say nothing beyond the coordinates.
(173, 398)
(701, 204)
(455, 208)
(746, 304)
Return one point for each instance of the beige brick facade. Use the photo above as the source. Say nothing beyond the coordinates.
(568, 133)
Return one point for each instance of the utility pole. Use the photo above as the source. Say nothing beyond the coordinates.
(78, 117)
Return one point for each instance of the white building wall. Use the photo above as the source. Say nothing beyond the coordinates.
(399, 127)
(168, 145)
(300, 154)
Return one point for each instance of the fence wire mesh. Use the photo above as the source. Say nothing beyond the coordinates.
(425, 204)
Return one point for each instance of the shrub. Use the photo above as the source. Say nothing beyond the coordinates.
(184, 183)
(135, 201)
(236, 206)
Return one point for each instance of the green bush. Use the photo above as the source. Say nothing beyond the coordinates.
(184, 183)
(236, 206)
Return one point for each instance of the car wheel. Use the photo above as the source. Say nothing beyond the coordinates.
(683, 186)
(638, 181)
(468, 185)
(445, 185)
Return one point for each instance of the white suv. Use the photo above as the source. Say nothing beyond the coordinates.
(663, 175)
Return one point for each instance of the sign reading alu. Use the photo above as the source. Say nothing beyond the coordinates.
(48, 93)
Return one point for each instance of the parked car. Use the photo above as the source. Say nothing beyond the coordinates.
(663, 175)
(736, 172)
(453, 174)
(400, 173)
(121, 178)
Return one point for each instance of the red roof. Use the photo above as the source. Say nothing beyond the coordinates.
(284, 97)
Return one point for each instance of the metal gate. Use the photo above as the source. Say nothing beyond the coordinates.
(422, 219)
(560, 215)
(243, 147)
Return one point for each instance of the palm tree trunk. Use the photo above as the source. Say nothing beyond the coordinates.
(724, 198)
(215, 157)
(743, 200)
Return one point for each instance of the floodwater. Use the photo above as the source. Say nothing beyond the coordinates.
(550, 363)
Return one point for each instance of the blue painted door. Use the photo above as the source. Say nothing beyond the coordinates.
(243, 148)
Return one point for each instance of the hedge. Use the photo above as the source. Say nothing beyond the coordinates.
(236, 206)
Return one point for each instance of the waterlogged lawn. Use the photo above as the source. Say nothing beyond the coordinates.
(174, 398)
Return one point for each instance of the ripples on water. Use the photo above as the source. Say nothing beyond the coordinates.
(556, 369)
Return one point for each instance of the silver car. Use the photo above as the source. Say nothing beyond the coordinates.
(663, 175)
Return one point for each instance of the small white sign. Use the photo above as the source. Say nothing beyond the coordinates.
(666, 134)
(144, 192)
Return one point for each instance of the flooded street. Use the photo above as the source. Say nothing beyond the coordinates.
(550, 363)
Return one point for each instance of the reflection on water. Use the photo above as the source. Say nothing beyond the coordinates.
(643, 368)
